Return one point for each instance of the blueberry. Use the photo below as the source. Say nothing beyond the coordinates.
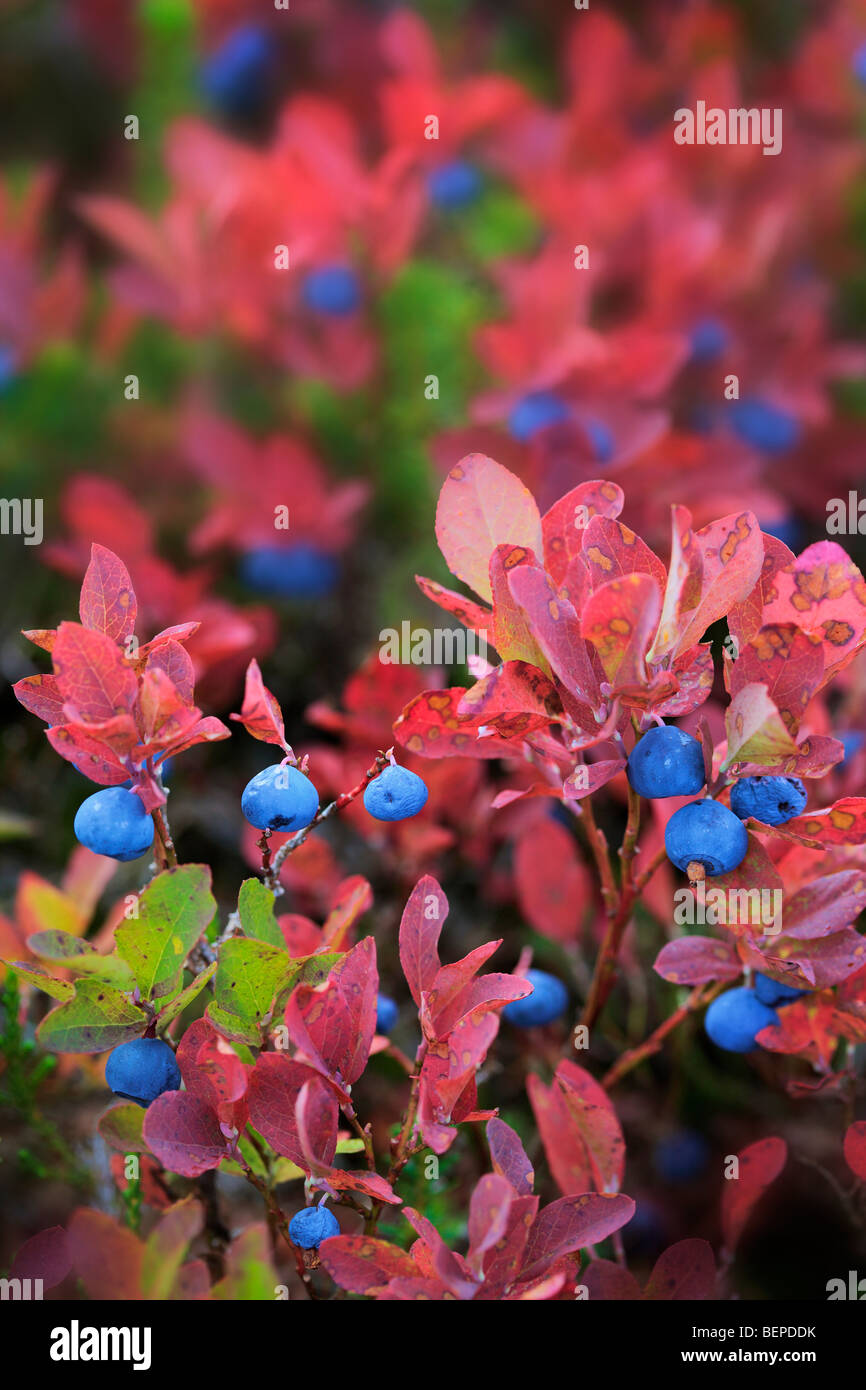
(142, 1069)
(733, 1019)
(536, 412)
(454, 185)
(666, 762)
(708, 339)
(858, 64)
(787, 529)
(601, 439)
(764, 426)
(233, 77)
(386, 1013)
(310, 1226)
(548, 1000)
(772, 800)
(8, 367)
(681, 1156)
(114, 822)
(771, 992)
(332, 289)
(852, 742)
(296, 571)
(280, 798)
(706, 832)
(396, 794)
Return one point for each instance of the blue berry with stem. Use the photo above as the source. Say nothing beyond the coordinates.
(114, 822)
(666, 761)
(396, 794)
(142, 1069)
(548, 1001)
(734, 1019)
(705, 839)
(773, 800)
(310, 1226)
(280, 797)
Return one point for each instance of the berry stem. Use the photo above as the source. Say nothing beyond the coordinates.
(619, 906)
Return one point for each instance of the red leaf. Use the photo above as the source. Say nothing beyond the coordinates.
(825, 905)
(274, 1086)
(420, 928)
(489, 1209)
(91, 674)
(784, 660)
(44, 1256)
(610, 551)
(844, 823)
(759, 1166)
(260, 713)
(587, 778)
(176, 662)
(596, 1120)
(854, 1148)
(106, 1257)
(431, 727)
(473, 615)
(513, 637)
(365, 1264)
(570, 1224)
(732, 557)
(564, 1148)
(509, 1157)
(212, 1070)
(316, 1116)
(107, 602)
(609, 1282)
(823, 592)
(553, 885)
(515, 687)
(333, 1025)
(686, 1270)
(696, 960)
(557, 629)
(94, 759)
(482, 505)
(564, 525)
(41, 696)
(353, 898)
(183, 1131)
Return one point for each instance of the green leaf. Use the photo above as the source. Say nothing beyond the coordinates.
(121, 1128)
(96, 1019)
(173, 911)
(58, 989)
(249, 975)
(166, 1247)
(250, 1276)
(80, 956)
(256, 912)
(186, 996)
(306, 970)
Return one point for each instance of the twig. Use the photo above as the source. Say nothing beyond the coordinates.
(629, 1060)
(605, 966)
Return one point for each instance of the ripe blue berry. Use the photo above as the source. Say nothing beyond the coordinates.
(310, 1226)
(705, 832)
(114, 822)
(772, 800)
(763, 425)
(280, 798)
(601, 439)
(548, 1000)
(681, 1156)
(292, 571)
(455, 185)
(858, 64)
(786, 529)
(733, 1020)
(396, 794)
(332, 289)
(666, 762)
(233, 77)
(142, 1069)
(852, 742)
(708, 339)
(772, 992)
(536, 412)
(386, 1013)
